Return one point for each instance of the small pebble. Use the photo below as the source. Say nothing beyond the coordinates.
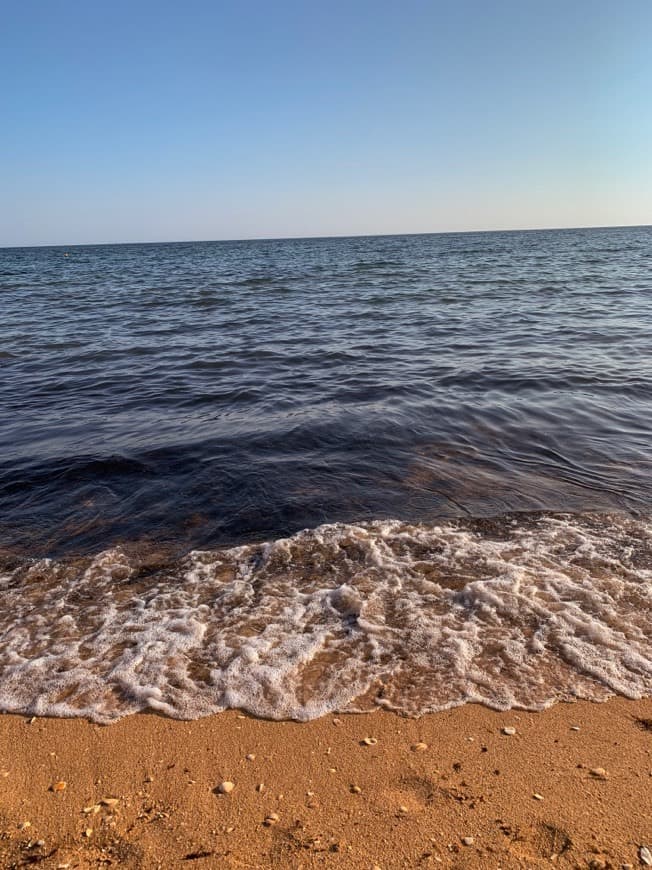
(419, 747)
(271, 819)
(403, 809)
(110, 802)
(598, 773)
(39, 844)
(251, 757)
(355, 789)
(260, 787)
(509, 731)
(88, 832)
(575, 728)
(370, 741)
(148, 778)
(537, 796)
(59, 786)
(226, 787)
(645, 855)
(24, 825)
(468, 841)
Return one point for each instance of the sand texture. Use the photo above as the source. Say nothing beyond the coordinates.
(572, 787)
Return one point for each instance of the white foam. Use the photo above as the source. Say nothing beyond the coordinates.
(411, 617)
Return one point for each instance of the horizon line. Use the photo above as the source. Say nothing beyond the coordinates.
(326, 237)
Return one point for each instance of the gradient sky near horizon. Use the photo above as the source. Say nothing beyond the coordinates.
(155, 121)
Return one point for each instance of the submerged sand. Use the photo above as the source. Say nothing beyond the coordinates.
(572, 787)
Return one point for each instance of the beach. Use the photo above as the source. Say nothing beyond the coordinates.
(469, 787)
(326, 436)
(286, 522)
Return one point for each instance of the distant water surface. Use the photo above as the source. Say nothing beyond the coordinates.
(460, 423)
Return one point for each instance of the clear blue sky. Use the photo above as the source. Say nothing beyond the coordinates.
(137, 121)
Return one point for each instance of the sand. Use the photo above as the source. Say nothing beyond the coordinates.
(571, 788)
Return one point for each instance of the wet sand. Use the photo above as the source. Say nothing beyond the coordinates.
(571, 788)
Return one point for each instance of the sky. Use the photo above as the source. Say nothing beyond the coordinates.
(211, 119)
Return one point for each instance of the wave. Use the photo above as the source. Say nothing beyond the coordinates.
(519, 611)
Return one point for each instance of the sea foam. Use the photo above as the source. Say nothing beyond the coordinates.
(515, 612)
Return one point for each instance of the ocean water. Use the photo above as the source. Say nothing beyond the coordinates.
(297, 476)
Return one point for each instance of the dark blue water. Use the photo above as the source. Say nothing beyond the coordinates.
(211, 393)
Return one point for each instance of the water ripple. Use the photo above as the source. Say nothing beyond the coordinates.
(260, 387)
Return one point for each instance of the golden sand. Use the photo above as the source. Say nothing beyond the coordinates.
(571, 787)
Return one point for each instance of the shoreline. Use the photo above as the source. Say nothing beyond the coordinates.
(414, 617)
(571, 788)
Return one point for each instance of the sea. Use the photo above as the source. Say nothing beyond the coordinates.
(331, 474)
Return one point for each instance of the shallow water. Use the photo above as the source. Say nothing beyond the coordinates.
(511, 612)
(164, 403)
